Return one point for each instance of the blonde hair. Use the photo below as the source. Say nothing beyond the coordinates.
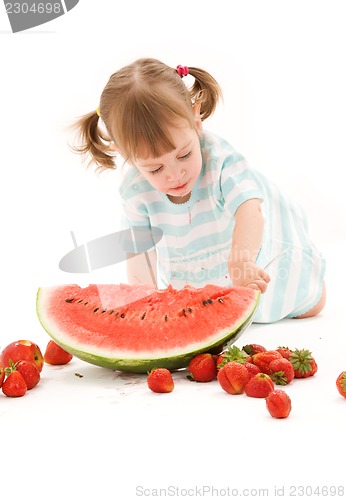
(138, 105)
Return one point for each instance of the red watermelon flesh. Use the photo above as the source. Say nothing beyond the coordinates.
(136, 328)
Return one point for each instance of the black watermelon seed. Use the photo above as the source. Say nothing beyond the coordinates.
(104, 310)
(86, 303)
(205, 302)
(220, 300)
(69, 300)
(96, 309)
(210, 301)
(189, 309)
(143, 316)
(111, 312)
(81, 300)
(122, 315)
(166, 318)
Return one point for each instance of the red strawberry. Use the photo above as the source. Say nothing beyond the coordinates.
(2, 375)
(281, 371)
(202, 368)
(278, 404)
(252, 369)
(14, 385)
(252, 349)
(160, 380)
(55, 355)
(263, 359)
(220, 360)
(29, 372)
(259, 386)
(303, 363)
(233, 353)
(341, 383)
(233, 377)
(284, 351)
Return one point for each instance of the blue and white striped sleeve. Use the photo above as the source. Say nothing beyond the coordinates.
(238, 183)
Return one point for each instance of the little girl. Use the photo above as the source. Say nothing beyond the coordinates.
(222, 222)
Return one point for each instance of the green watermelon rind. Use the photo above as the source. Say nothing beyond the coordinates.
(142, 365)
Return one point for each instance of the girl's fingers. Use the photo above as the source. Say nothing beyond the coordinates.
(265, 276)
(260, 285)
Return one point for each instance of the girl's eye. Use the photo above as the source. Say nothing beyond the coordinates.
(185, 157)
(156, 171)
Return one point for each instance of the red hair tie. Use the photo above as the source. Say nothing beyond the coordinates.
(182, 70)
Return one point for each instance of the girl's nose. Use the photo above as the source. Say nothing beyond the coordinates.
(175, 175)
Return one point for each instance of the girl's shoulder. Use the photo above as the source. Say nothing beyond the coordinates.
(213, 143)
(131, 182)
(217, 152)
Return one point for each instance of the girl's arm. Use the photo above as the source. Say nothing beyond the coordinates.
(246, 243)
(141, 268)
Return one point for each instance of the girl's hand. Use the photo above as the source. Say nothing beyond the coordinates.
(248, 274)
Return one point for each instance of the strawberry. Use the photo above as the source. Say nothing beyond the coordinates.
(55, 355)
(14, 385)
(233, 377)
(160, 380)
(264, 358)
(233, 353)
(304, 363)
(278, 404)
(252, 349)
(341, 383)
(259, 386)
(202, 368)
(281, 371)
(221, 360)
(29, 372)
(284, 351)
(2, 375)
(252, 369)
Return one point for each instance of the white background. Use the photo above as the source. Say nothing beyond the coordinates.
(281, 67)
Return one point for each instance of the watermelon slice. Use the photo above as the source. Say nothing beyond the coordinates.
(136, 328)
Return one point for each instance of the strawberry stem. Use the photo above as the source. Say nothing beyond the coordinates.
(301, 360)
(11, 368)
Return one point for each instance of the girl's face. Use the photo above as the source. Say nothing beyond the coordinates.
(176, 172)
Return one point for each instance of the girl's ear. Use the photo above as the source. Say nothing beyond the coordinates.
(197, 112)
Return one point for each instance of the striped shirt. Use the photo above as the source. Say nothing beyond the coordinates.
(197, 235)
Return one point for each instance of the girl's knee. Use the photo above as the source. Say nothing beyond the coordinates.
(317, 308)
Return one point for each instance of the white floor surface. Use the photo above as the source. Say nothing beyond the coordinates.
(105, 435)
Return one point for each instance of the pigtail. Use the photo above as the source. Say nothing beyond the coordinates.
(205, 91)
(93, 141)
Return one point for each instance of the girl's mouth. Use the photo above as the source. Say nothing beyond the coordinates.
(178, 188)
